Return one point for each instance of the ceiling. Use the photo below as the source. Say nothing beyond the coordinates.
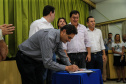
(97, 1)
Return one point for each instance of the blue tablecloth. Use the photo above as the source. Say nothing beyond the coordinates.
(63, 77)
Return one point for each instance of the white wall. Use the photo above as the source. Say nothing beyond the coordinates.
(115, 29)
(110, 10)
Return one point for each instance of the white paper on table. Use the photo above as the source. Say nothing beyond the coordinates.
(83, 71)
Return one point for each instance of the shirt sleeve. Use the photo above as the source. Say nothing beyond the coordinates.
(112, 44)
(86, 38)
(101, 41)
(33, 29)
(123, 44)
(62, 54)
(47, 53)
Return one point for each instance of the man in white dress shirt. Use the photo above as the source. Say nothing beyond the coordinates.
(76, 49)
(97, 45)
(44, 23)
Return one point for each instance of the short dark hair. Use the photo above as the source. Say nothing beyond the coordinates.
(59, 20)
(70, 29)
(74, 12)
(109, 33)
(89, 17)
(47, 9)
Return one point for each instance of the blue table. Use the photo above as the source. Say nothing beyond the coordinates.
(64, 77)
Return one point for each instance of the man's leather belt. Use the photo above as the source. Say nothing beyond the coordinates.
(78, 53)
(96, 52)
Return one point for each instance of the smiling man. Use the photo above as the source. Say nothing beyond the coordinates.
(76, 49)
(97, 45)
(35, 54)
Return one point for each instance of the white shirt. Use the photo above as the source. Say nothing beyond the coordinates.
(39, 24)
(117, 47)
(1, 36)
(96, 40)
(125, 44)
(79, 42)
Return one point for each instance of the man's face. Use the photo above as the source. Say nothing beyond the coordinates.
(61, 23)
(52, 16)
(74, 19)
(110, 36)
(91, 23)
(65, 37)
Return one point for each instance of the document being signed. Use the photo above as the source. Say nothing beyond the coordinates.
(83, 71)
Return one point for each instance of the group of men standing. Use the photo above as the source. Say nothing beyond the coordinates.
(76, 45)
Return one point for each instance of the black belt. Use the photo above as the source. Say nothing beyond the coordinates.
(96, 52)
(78, 53)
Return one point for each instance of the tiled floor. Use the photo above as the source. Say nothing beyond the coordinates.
(113, 82)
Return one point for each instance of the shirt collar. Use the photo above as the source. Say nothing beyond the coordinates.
(44, 20)
(78, 24)
(90, 30)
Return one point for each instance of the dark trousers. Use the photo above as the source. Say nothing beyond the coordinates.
(96, 61)
(31, 70)
(78, 58)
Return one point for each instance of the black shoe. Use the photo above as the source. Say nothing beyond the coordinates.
(118, 81)
(124, 81)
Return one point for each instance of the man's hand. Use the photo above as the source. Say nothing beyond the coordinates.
(104, 57)
(88, 58)
(67, 55)
(7, 29)
(121, 57)
(121, 53)
(109, 40)
(72, 68)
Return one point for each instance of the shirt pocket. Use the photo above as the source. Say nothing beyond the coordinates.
(81, 34)
(97, 38)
